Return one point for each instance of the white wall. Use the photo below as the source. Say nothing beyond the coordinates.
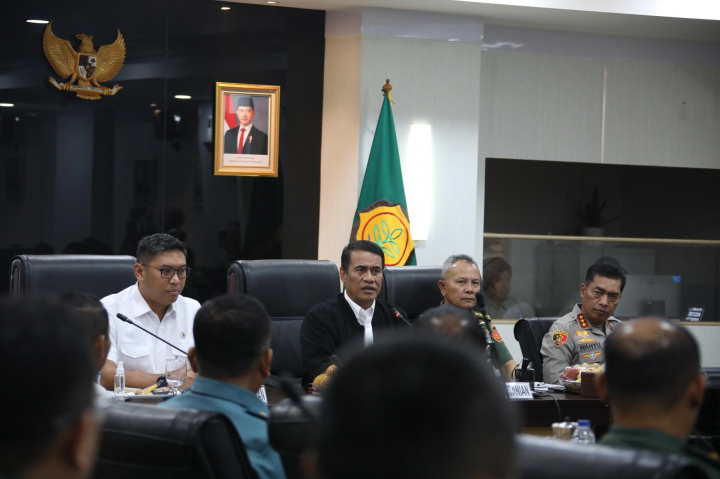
(338, 167)
(541, 107)
(437, 83)
(662, 115)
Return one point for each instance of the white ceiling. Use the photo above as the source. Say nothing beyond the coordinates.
(610, 17)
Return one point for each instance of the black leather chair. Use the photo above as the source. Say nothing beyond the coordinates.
(63, 273)
(529, 333)
(140, 442)
(412, 288)
(292, 432)
(539, 458)
(288, 289)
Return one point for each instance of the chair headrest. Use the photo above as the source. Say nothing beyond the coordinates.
(287, 288)
(290, 429)
(539, 458)
(61, 273)
(412, 288)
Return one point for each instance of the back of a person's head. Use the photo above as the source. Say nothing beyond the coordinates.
(48, 370)
(231, 333)
(454, 321)
(415, 407)
(88, 308)
(650, 361)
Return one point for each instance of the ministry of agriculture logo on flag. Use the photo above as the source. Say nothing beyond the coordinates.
(386, 224)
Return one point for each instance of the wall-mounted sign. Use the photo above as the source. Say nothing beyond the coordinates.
(87, 66)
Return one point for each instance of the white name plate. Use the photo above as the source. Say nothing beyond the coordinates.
(519, 390)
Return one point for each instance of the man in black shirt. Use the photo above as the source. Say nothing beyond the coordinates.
(355, 315)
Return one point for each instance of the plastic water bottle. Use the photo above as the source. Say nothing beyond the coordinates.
(119, 382)
(584, 434)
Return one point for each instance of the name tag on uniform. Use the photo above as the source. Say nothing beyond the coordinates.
(519, 390)
(262, 394)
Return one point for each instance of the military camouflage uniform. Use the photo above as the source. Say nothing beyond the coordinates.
(573, 340)
(497, 352)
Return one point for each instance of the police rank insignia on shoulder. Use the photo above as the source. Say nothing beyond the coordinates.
(592, 356)
(87, 66)
(559, 338)
(496, 335)
(582, 321)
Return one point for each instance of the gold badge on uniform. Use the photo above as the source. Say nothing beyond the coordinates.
(592, 356)
(559, 338)
(87, 66)
(580, 332)
(586, 340)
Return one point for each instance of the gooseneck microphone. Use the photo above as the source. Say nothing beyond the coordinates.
(122, 317)
(398, 315)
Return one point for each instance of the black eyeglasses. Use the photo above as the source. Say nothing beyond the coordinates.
(167, 273)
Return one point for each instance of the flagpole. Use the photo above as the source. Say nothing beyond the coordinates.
(387, 87)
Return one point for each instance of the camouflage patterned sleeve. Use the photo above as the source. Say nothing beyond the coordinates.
(556, 352)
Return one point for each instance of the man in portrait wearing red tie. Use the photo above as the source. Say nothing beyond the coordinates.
(245, 139)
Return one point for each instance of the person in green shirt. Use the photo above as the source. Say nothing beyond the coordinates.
(459, 284)
(655, 387)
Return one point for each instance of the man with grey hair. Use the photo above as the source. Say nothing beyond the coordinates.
(460, 284)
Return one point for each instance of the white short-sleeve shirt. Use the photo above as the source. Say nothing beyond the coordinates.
(136, 348)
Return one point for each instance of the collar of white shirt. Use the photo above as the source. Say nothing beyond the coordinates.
(366, 321)
(140, 306)
(357, 308)
(247, 132)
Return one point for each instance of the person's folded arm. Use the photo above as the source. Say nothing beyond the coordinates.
(133, 379)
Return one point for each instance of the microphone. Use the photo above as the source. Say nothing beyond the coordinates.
(122, 317)
(398, 315)
(480, 301)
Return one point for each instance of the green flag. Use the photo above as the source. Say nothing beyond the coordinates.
(381, 215)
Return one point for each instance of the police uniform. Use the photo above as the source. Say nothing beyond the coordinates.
(248, 414)
(572, 340)
(636, 438)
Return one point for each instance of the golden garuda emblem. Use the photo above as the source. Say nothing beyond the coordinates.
(86, 66)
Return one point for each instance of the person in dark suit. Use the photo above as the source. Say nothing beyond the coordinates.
(355, 315)
(246, 139)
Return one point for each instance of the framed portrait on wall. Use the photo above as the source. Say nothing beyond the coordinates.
(247, 128)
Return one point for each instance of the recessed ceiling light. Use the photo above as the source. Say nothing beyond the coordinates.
(7, 104)
(38, 21)
(224, 8)
(183, 97)
(153, 104)
(271, 2)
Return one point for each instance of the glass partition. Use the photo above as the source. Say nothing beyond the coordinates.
(677, 279)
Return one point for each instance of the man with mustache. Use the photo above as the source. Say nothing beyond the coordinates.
(460, 284)
(155, 303)
(579, 336)
(354, 315)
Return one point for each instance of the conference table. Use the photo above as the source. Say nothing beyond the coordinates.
(540, 412)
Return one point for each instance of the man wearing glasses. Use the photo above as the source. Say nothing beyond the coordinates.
(154, 303)
(579, 336)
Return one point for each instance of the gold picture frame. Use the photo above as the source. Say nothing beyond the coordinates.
(247, 129)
